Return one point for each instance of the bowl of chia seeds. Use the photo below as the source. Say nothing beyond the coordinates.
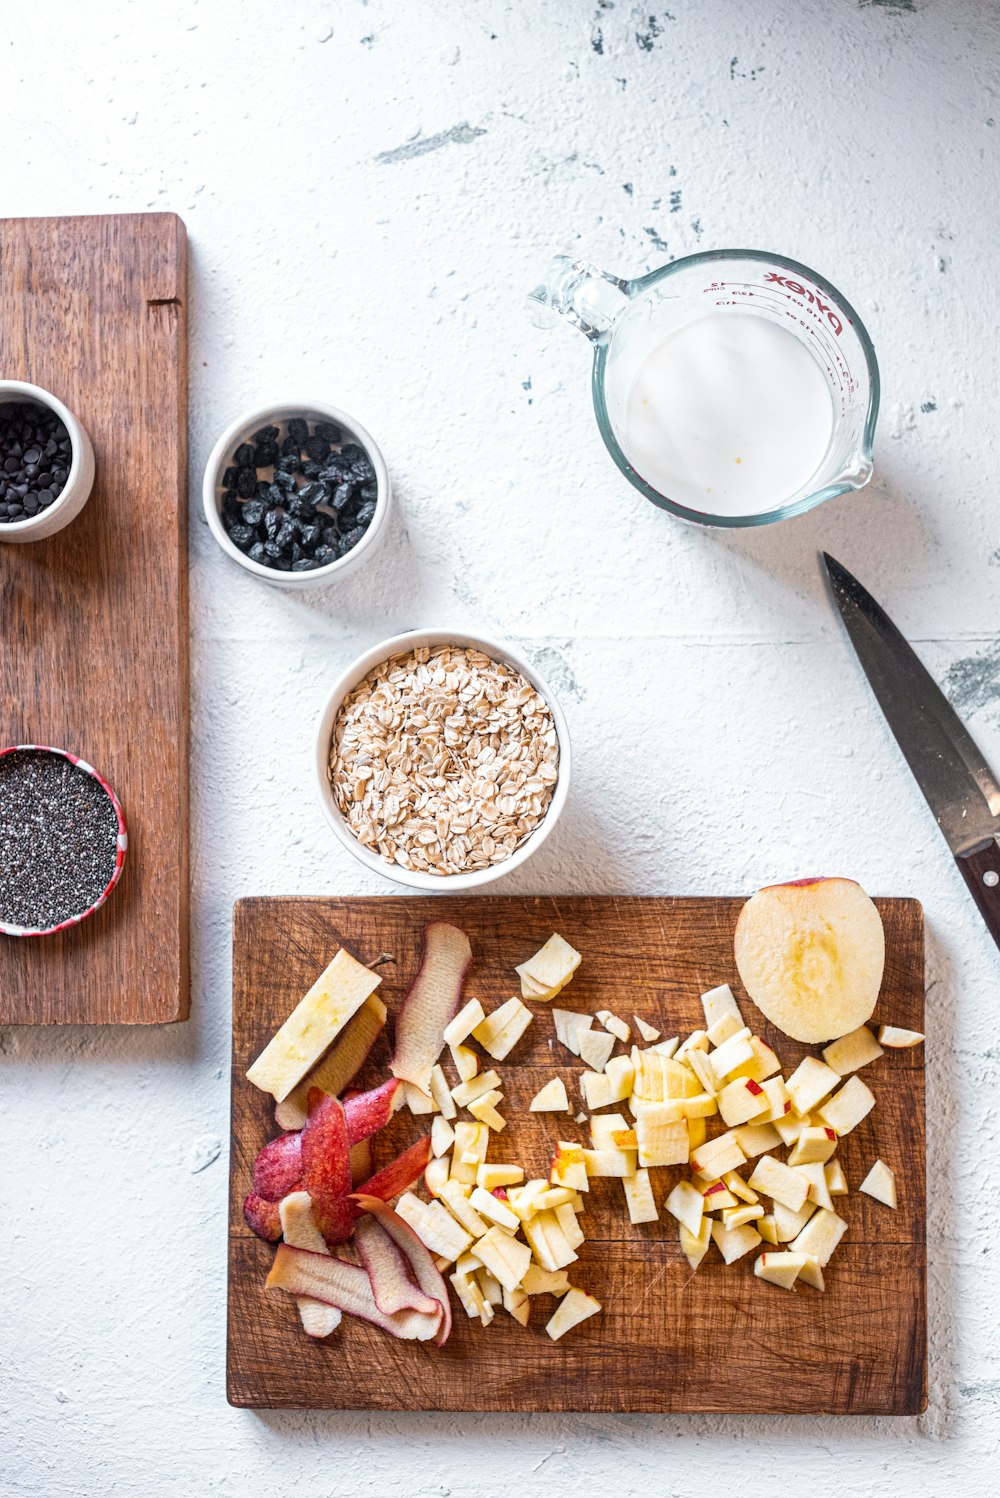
(46, 463)
(298, 494)
(62, 840)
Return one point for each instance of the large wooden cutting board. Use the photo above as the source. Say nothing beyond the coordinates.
(94, 648)
(667, 1341)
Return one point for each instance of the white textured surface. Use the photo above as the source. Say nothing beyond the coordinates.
(369, 190)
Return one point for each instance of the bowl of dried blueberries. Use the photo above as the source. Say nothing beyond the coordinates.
(297, 494)
(46, 463)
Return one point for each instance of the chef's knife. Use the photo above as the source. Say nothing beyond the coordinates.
(958, 785)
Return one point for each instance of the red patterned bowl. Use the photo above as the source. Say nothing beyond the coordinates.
(122, 848)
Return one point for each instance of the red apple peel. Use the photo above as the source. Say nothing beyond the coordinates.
(262, 1217)
(421, 1261)
(346, 1286)
(400, 1174)
(326, 1166)
(389, 1270)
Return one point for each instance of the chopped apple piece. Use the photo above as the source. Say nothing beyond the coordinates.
(820, 1236)
(814, 1143)
(436, 1228)
(465, 1021)
(610, 1162)
(718, 1155)
(506, 1258)
(523, 1200)
(789, 1224)
(539, 1281)
(493, 1208)
(485, 1110)
(570, 1026)
(300, 1231)
(441, 1093)
(742, 1100)
(618, 1028)
(757, 1138)
(696, 1041)
(646, 1031)
(568, 1166)
(717, 1002)
(418, 1101)
(453, 1194)
(809, 1084)
(471, 1296)
(695, 1245)
(852, 1051)
(551, 1098)
(595, 1048)
(687, 1204)
(718, 1196)
(738, 1186)
(779, 1182)
(666, 1047)
(466, 1062)
(639, 1197)
(815, 1175)
(613, 1087)
(845, 1110)
(574, 1307)
(735, 1217)
(762, 1064)
(490, 1286)
(724, 1028)
(811, 956)
(662, 1142)
(697, 1133)
(313, 1025)
(780, 1269)
(435, 1176)
(767, 1228)
(811, 1273)
(731, 1054)
(552, 966)
(790, 1126)
(500, 1031)
(603, 1128)
(570, 1225)
(491, 1176)
(471, 1139)
(895, 1039)
(442, 1136)
(880, 1182)
(551, 1197)
(777, 1096)
(339, 1066)
(517, 1303)
(836, 1181)
(733, 1244)
(467, 1092)
(548, 1241)
(701, 1065)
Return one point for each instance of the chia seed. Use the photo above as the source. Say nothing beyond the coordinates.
(58, 839)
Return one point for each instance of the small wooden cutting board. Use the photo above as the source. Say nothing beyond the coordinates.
(667, 1340)
(94, 640)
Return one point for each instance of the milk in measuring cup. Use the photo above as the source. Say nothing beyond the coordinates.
(730, 414)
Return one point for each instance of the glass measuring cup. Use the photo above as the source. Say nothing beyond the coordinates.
(626, 320)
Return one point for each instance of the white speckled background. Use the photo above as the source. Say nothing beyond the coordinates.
(369, 190)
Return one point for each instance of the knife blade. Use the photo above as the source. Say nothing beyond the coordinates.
(956, 781)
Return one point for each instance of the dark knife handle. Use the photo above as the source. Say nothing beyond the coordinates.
(981, 872)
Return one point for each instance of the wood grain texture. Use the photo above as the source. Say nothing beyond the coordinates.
(95, 619)
(718, 1341)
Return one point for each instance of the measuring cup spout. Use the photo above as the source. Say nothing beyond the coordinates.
(588, 298)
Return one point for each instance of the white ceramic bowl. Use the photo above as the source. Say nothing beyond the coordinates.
(79, 482)
(400, 644)
(240, 431)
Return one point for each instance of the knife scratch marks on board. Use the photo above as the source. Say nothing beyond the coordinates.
(973, 681)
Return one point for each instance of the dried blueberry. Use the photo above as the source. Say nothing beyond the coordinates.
(323, 555)
(369, 490)
(312, 493)
(243, 455)
(310, 469)
(351, 452)
(246, 484)
(305, 564)
(328, 430)
(309, 535)
(263, 489)
(243, 536)
(317, 448)
(231, 508)
(298, 429)
(341, 495)
(352, 538)
(285, 481)
(257, 553)
(253, 511)
(273, 521)
(286, 535)
(300, 509)
(229, 478)
(366, 512)
(266, 435)
(265, 454)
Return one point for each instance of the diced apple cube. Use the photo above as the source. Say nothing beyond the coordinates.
(620, 1074)
(662, 1143)
(814, 1173)
(756, 1139)
(836, 1181)
(471, 1139)
(809, 1084)
(646, 1031)
(506, 1258)
(570, 1026)
(539, 1281)
(696, 1041)
(500, 1031)
(618, 1028)
(610, 1162)
(789, 1224)
(471, 1296)
(548, 1241)
(895, 1039)
(553, 965)
(763, 1063)
(466, 1062)
(603, 1128)
(777, 1096)
(735, 1217)
(767, 1228)
(779, 1182)
(789, 1127)
(465, 1021)
(441, 1094)
(716, 1156)
(724, 1027)
(814, 1143)
(734, 1244)
(551, 1098)
(701, 1065)
(731, 1054)
(523, 1201)
(436, 1174)
(595, 1048)
(442, 1136)
(697, 1132)
(811, 1273)
(417, 1101)
(845, 1110)
(880, 1182)
(453, 1194)
(666, 1047)
(570, 1224)
(717, 1002)
(517, 1303)
(568, 1166)
(688, 1205)
(485, 1109)
(552, 1197)
(496, 1211)
(718, 1196)
(437, 1229)
(574, 1307)
(491, 1176)
(490, 1286)
(695, 1245)
(639, 1197)
(467, 1092)
(852, 1051)
(780, 1269)
(820, 1236)
(738, 1186)
(742, 1100)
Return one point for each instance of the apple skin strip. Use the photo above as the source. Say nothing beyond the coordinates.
(346, 1286)
(261, 1217)
(326, 1167)
(389, 1270)
(421, 1261)
(400, 1174)
(431, 1003)
(278, 1168)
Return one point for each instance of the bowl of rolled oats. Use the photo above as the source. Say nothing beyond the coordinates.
(442, 760)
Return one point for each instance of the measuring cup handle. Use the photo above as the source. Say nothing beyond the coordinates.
(588, 298)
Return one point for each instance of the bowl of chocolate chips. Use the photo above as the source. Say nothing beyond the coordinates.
(297, 494)
(46, 463)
